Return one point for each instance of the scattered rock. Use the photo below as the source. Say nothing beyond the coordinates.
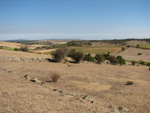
(27, 77)
(36, 80)
(24, 59)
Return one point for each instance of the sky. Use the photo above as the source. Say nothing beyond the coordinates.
(74, 19)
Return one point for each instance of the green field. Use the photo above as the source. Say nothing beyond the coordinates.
(98, 49)
(7, 48)
(144, 46)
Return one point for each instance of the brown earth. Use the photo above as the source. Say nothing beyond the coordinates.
(132, 54)
(135, 42)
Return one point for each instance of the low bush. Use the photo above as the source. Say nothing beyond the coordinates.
(148, 64)
(141, 62)
(128, 46)
(139, 53)
(88, 57)
(99, 58)
(55, 76)
(1, 47)
(137, 45)
(123, 49)
(24, 49)
(133, 63)
(121, 60)
(16, 49)
(130, 83)
(77, 56)
(59, 54)
(71, 52)
(107, 55)
(113, 60)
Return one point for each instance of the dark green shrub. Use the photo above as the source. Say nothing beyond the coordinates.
(130, 83)
(148, 64)
(119, 57)
(99, 58)
(16, 49)
(141, 62)
(133, 63)
(128, 46)
(59, 54)
(137, 45)
(113, 60)
(71, 52)
(24, 49)
(121, 60)
(123, 48)
(88, 57)
(107, 55)
(139, 53)
(77, 56)
(1, 47)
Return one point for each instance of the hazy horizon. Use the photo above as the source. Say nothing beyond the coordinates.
(74, 19)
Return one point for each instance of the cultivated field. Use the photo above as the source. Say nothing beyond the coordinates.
(98, 49)
(132, 54)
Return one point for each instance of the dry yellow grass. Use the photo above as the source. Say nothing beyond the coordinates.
(105, 84)
(18, 54)
(45, 51)
(10, 44)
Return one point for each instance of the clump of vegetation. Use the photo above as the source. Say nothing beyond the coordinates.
(148, 64)
(59, 54)
(113, 60)
(141, 62)
(128, 46)
(130, 83)
(24, 49)
(76, 55)
(139, 53)
(16, 49)
(123, 49)
(107, 55)
(137, 45)
(1, 47)
(65, 60)
(88, 57)
(133, 63)
(99, 58)
(55, 76)
(121, 60)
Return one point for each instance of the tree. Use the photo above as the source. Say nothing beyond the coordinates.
(59, 54)
(88, 57)
(77, 56)
(99, 58)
